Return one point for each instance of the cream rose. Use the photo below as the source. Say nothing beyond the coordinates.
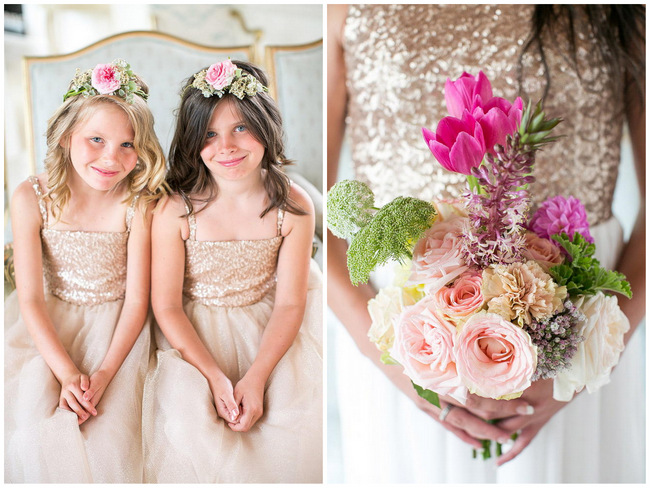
(494, 357)
(436, 257)
(542, 251)
(600, 351)
(383, 309)
(458, 301)
(424, 346)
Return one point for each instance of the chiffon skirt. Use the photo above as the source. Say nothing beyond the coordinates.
(596, 438)
(43, 443)
(186, 442)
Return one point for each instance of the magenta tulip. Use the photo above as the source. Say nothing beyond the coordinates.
(498, 118)
(467, 93)
(457, 144)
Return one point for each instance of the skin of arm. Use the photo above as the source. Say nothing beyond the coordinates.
(631, 264)
(26, 225)
(349, 302)
(135, 308)
(167, 275)
(288, 309)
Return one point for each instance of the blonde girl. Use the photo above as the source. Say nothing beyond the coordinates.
(76, 343)
(236, 395)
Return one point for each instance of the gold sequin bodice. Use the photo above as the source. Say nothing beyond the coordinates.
(398, 58)
(230, 273)
(84, 268)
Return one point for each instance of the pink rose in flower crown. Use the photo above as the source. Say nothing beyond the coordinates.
(220, 75)
(105, 78)
(424, 346)
(559, 214)
(437, 256)
(467, 93)
(461, 299)
(494, 358)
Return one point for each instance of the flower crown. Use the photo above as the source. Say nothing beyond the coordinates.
(115, 78)
(226, 77)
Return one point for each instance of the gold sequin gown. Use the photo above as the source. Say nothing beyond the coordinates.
(229, 291)
(85, 279)
(398, 58)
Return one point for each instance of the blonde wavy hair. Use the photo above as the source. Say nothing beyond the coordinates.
(147, 178)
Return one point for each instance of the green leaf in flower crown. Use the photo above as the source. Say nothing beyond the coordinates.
(428, 395)
(391, 234)
(583, 274)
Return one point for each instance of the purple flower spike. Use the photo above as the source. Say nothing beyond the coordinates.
(559, 214)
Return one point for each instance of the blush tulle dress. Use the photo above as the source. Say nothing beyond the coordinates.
(229, 291)
(85, 281)
(397, 59)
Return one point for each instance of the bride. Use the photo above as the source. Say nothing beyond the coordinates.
(387, 66)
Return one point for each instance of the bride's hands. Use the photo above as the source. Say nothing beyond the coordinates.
(468, 421)
(540, 396)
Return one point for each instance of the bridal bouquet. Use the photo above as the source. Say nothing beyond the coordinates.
(488, 298)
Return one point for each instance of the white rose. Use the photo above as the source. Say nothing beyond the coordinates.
(599, 352)
(387, 305)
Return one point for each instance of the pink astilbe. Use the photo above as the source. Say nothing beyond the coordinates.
(495, 230)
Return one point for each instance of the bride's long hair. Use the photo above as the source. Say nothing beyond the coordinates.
(619, 31)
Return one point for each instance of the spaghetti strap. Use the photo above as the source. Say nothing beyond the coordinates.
(280, 219)
(41, 201)
(130, 212)
(191, 221)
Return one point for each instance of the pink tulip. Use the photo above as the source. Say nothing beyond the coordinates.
(457, 144)
(467, 93)
(498, 118)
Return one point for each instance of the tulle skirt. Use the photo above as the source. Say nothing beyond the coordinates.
(43, 443)
(596, 438)
(184, 439)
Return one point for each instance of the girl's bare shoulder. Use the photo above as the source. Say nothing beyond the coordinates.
(24, 196)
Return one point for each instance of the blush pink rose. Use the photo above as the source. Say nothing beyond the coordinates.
(461, 299)
(436, 257)
(220, 75)
(424, 346)
(494, 358)
(542, 251)
(105, 79)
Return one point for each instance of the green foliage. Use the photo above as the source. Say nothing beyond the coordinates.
(534, 128)
(428, 395)
(350, 206)
(583, 274)
(391, 234)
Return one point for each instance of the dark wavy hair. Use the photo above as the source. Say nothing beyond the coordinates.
(188, 175)
(619, 31)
